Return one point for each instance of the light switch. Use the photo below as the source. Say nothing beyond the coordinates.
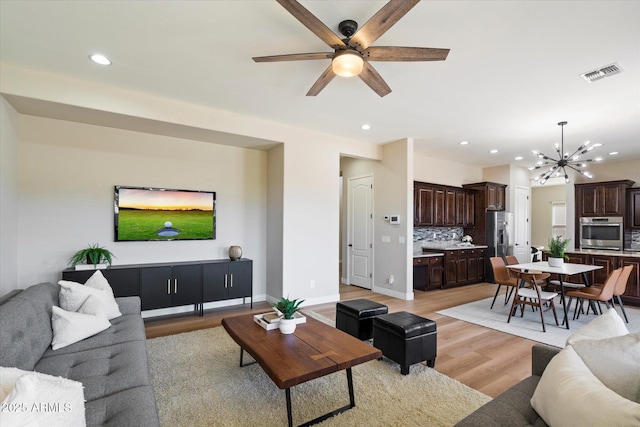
(386, 239)
(401, 239)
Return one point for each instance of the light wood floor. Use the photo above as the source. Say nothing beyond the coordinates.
(484, 359)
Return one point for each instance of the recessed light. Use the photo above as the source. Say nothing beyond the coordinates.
(613, 153)
(518, 158)
(598, 159)
(100, 59)
(464, 143)
(597, 144)
(494, 151)
(365, 127)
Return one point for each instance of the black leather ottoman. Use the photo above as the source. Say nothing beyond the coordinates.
(355, 317)
(406, 339)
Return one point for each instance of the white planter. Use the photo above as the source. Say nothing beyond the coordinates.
(556, 262)
(287, 326)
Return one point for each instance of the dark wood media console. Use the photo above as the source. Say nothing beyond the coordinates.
(163, 285)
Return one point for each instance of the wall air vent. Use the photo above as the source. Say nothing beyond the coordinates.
(602, 72)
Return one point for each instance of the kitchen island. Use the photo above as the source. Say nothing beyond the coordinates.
(609, 261)
(460, 263)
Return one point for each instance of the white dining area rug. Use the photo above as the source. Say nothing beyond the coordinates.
(529, 326)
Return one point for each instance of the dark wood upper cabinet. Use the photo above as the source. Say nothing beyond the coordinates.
(633, 207)
(423, 205)
(442, 206)
(490, 196)
(601, 198)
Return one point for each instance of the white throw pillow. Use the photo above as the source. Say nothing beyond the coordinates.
(41, 400)
(98, 281)
(615, 362)
(70, 327)
(568, 394)
(608, 325)
(73, 295)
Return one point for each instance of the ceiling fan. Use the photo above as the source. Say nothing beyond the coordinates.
(352, 54)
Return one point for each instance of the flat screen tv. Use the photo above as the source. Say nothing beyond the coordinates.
(143, 214)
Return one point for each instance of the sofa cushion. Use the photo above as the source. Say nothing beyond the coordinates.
(70, 327)
(568, 394)
(606, 326)
(614, 361)
(38, 399)
(125, 328)
(26, 326)
(132, 407)
(73, 295)
(103, 371)
(510, 409)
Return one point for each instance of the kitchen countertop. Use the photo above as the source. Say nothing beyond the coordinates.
(632, 254)
(420, 254)
(450, 245)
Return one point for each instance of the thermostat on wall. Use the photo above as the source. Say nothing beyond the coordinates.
(394, 219)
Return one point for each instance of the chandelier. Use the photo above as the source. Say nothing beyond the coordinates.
(557, 167)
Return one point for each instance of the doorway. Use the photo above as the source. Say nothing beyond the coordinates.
(360, 231)
(521, 240)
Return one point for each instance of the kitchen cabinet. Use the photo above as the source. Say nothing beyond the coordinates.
(601, 198)
(423, 204)
(227, 280)
(170, 286)
(427, 273)
(488, 196)
(608, 264)
(632, 292)
(442, 206)
(633, 208)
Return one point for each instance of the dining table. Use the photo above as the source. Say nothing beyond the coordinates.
(566, 269)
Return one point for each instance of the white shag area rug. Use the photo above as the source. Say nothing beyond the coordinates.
(529, 326)
(198, 382)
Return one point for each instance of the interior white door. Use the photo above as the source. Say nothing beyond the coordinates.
(360, 224)
(521, 246)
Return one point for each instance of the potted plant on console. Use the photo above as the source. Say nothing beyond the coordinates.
(557, 248)
(94, 257)
(288, 308)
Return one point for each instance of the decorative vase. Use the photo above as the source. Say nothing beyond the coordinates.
(235, 253)
(555, 262)
(287, 326)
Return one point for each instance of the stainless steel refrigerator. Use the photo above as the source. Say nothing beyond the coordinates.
(499, 237)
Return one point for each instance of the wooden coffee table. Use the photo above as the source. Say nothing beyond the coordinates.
(312, 351)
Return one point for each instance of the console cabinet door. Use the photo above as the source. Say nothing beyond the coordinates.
(436, 272)
(215, 281)
(186, 284)
(123, 281)
(155, 287)
(240, 278)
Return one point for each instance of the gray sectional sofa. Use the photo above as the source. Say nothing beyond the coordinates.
(112, 365)
(513, 407)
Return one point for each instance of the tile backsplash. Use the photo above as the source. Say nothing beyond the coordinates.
(437, 234)
(633, 239)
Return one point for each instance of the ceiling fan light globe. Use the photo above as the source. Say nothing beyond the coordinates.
(347, 63)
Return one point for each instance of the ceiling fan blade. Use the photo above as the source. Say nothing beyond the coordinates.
(370, 76)
(294, 57)
(392, 53)
(322, 81)
(384, 19)
(312, 23)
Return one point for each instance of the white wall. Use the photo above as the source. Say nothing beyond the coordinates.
(8, 198)
(438, 171)
(66, 176)
(275, 201)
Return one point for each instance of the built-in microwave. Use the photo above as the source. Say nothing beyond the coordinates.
(601, 233)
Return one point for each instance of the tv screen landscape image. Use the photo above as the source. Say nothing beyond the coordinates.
(143, 214)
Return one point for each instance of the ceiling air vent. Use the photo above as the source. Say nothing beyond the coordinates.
(601, 73)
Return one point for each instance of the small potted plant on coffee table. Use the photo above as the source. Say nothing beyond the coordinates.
(557, 248)
(287, 308)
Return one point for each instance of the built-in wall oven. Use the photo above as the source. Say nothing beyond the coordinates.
(601, 233)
